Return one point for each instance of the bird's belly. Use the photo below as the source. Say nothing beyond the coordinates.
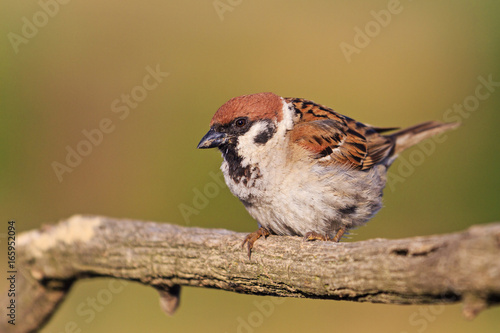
(322, 203)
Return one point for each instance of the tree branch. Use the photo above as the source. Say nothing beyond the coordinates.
(440, 269)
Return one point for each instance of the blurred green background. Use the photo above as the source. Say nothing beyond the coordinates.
(64, 78)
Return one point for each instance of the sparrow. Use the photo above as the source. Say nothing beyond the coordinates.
(302, 169)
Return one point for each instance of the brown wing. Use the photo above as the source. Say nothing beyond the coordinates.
(326, 133)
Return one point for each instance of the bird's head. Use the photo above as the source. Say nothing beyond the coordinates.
(249, 120)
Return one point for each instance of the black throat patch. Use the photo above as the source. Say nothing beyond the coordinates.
(237, 172)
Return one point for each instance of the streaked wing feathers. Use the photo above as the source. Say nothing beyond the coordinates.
(337, 139)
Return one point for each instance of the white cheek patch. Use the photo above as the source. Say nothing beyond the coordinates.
(246, 143)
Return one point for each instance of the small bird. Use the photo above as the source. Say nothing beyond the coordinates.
(302, 169)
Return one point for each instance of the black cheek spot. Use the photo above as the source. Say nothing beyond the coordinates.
(265, 135)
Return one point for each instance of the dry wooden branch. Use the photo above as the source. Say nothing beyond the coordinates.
(442, 269)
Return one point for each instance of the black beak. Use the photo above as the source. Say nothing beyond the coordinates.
(213, 139)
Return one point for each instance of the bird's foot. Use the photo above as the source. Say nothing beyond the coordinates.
(251, 238)
(339, 235)
(313, 235)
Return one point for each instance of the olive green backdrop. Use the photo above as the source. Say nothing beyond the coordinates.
(66, 69)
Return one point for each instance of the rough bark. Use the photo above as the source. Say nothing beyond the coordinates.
(443, 269)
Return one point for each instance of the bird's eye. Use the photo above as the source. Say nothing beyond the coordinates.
(240, 122)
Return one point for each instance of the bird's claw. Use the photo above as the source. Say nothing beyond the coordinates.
(251, 238)
(313, 235)
(339, 235)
